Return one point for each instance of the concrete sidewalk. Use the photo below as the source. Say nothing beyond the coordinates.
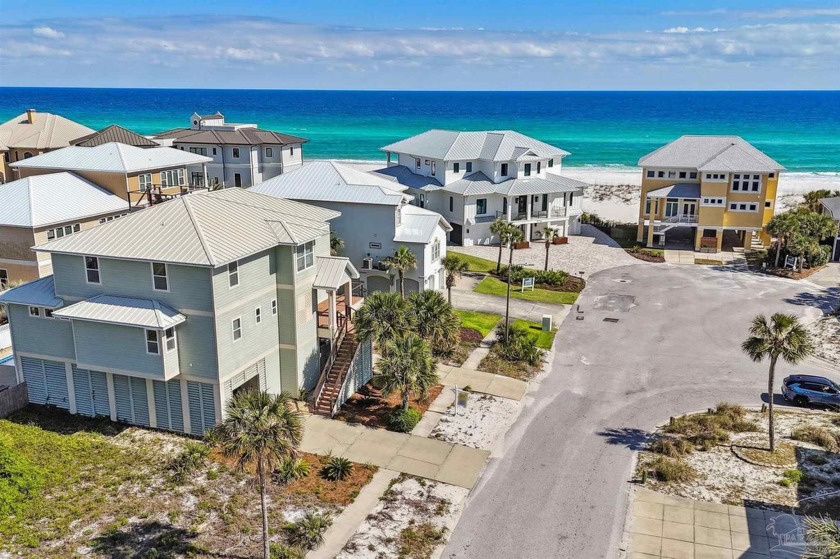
(478, 381)
(419, 456)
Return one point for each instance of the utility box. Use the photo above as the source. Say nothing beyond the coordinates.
(546, 323)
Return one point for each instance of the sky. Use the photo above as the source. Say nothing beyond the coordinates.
(422, 44)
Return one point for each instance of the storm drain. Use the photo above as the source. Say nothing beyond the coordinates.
(610, 320)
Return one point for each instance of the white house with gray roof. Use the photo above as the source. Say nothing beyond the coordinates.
(157, 319)
(473, 178)
(831, 206)
(376, 218)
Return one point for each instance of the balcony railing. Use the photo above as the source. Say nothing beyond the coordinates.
(540, 214)
(681, 218)
(156, 193)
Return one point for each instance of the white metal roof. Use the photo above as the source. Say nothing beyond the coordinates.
(126, 311)
(112, 157)
(201, 229)
(495, 145)
(38, 293)
(477, 184)
(47, 131)
(711, 153)
(328, 181)
(419, 225)
(333, 272)
(54, 198)
(832, 205)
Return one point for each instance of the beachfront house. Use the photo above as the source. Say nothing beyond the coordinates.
(33, 133)
(831, 206)
(474, 178)
(115, 133)
(708, 192)
(240, 154)
(376, 218)
(39, 209)
(159, 318)
(140, 176)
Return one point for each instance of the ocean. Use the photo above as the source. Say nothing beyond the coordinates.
(800, 129)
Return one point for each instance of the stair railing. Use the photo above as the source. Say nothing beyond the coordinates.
(325, 371)
(354, 351)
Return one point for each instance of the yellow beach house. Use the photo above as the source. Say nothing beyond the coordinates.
(713, 191)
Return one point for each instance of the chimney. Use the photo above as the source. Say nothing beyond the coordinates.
(30, 115)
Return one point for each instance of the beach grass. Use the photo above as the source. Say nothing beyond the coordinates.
(494, 286)
(480, 321)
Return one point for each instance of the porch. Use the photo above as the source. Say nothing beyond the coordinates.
(533, 212)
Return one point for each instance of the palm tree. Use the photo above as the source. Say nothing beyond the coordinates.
(783, 336)
(407, 367)
(261, 429)
(383, 316)
(402, 260)
(500, 228)
(454, 266)
(434, 320)
(514, 235)
(781, 226)
(549, 233)
(336, 243)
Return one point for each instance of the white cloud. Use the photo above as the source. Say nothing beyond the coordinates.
(695, 30)
(778, 13)
(47, 33)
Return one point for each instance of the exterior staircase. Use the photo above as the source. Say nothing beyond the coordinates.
(755, 242)
(336, 374)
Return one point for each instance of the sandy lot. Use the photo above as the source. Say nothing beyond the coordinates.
(827, 333)
(482, 424)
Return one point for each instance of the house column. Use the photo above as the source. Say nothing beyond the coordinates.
(204, 173)
(510, 208)
(654, 206)
(698, 237)
(718, 239)
(71, 388)
(333, 318)
(834, 249)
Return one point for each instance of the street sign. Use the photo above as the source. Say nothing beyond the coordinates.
(790, 261)
(527, 283)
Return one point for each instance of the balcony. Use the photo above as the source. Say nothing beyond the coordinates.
(157, 193)
(540, 215)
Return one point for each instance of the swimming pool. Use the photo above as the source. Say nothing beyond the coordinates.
(8, 360)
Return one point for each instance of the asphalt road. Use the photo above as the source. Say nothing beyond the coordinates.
(560, 488)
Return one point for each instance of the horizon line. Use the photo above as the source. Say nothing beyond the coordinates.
(6, 87)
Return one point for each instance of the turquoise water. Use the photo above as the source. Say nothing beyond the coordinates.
(799, 129)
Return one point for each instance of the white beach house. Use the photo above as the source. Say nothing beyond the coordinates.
(473, 178)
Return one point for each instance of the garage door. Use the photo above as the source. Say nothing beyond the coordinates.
(46, 382)
(456, 235)
(202, 407)
(91, 389)
(411, 285)
(131, 400)
(378, 283)
(169, 412)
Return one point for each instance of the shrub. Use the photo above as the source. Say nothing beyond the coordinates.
(815, 435)
(521, 346)
(820, 257)
(403, 421)
(19, 480)
(192, 458)
(337, 468)
(544, 277)
(308, 532)
(418, 542)
(292, 469)
(794, 476)
(706, 430)
(280, 551)
(671, 469)
(822, 536)
(671, 447)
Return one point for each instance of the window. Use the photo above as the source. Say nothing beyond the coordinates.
(160, 281)
(169, 339)
(481, 206)
(236, 152)
(236, 325)
(92, 269)
(456, 167)
(305, 255)
(504, 169)
(647, 206)
(48, 313)
(417, 164)
(292, 151)
(152, 343)
(539, 167)
(451, 203)
(59, 232)
(742, 207)
(550, 163)
(199, 151)
(672, 174)
(768, 203)
(258, 315)
(713, 201)
(469, 166)
(269, 152)
(214, 151)
(233, 274)
(4, 278)
(196, 178)
(682, 174)
(426, 162)
(35, 311)
(27, 155)
(172, 177)
(692, 175)
(434, 167)
(436, 250)
(145, 181)
(527, 169)
(771, 175)
(651, 174)
(237, 180)
(661, 174)
(274, 307)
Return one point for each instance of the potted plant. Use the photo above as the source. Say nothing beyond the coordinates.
(560, 240)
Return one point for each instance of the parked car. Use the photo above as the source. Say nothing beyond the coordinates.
(803, 390)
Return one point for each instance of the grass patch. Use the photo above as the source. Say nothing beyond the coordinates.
(494, 286)
(756, 449)
(706, 430)
(496, 364)
(544, 339)
(480, 321)
(476, 264)
(672, 447)
(671, 469)
(815, 435)
(419, 541)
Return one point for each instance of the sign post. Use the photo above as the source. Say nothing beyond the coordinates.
(790, 261)
(527, 283)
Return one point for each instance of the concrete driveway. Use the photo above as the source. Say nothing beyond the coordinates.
(560, 488)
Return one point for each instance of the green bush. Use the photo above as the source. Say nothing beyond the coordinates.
(671, 447)
(794, 476)
(671, 469)
(292, 469)
(308, 532)
(403, 421)
(544, 277)
(337, 468)
(280, 551)
(520, 346)
(19, 480)
(816, 435)
(820, 257)
(192, 458)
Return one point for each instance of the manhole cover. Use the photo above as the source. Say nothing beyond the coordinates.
(610, 320)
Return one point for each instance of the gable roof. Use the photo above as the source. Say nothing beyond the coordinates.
(405, 176)
(54, 198)
(112, 157)
(201, 229)
(495, 145)
(48, 131)
(126, 311)
(832, 205)
(418, 225)
(711, 153)
(328, 181)
(333, 272)
(478, 183)
(115, 133)
(241, 136)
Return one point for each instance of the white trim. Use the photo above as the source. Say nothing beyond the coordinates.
(112, 398)
(258, 314)
(165, 276)
(233, 329)
(174, 339)
(98, 269)
(71, 387)
(232, 274)
(217, 400)
(137, 374)
(157, 341)
(150, 402)
(185, 407)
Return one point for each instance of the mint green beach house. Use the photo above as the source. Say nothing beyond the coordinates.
(157, 319)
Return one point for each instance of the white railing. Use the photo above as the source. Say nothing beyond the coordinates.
(681, 218)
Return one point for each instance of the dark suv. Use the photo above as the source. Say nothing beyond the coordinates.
(810, 389)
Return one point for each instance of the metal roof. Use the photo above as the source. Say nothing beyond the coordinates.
(126, 311)
(112, 157)
(37, 293)
(495, 145)
(115, 133)
(54, 198)
(333, 272)
(250, 136)
(328, 181)
(418, 225)
(682, 190)
(405, 176)
(477, 184)
(201, 229)
(471, 185)
(48, 131)
(711, 153)
(832, 205)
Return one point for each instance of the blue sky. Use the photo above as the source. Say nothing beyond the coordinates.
(428, 44)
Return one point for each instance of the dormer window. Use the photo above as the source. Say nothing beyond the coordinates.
(504, 171)
(527, 169)
(469, 166)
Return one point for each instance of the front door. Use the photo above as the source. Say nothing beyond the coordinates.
(522, 202)
(671, 208)
(689, 208)
(237, 180)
